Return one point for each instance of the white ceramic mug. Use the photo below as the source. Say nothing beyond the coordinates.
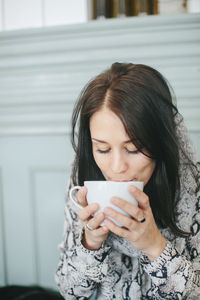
(101, 191)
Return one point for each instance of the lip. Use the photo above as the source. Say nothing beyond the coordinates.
(126, 180)
(122, 180)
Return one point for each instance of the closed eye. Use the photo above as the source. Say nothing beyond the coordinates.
(103, 151)
(132, 152)
(128, 151)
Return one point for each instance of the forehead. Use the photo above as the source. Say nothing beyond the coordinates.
(106, 124)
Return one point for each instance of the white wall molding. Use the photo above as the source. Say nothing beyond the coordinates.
(43, 70)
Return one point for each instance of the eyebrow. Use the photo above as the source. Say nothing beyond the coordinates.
(104, 142)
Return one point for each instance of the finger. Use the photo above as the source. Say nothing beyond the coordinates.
(96, 221)
(81, 196)
(120, 231)
(131, 209)
(88, 211)
(125, 221)
(140, 196)
(102, 230)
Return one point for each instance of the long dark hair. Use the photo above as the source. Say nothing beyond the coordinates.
(142, 99)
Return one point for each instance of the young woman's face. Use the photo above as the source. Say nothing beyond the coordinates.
(114, 153)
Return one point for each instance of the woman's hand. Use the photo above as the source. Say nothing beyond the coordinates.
(94, 234)
(144, 236)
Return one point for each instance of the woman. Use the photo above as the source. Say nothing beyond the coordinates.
(129, 129)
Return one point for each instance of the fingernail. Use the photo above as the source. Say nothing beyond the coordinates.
(140, 218)
(94, 206)
(107, 210)
(101, 215)
(114, 200)
(106, 221)
(82, 189)
(132, 188)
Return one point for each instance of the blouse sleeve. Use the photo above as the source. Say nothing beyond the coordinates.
(79, 269)
(176, 273)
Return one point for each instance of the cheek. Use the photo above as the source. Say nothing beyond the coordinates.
(144, 165)
(151, 167)
(148, 171)
(100, 160)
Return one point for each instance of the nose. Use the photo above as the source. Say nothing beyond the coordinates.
(118, 163)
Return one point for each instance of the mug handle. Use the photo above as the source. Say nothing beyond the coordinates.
(77, 187)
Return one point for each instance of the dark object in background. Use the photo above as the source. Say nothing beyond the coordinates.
(15, 292)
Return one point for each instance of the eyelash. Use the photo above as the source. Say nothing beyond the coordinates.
(106, 151)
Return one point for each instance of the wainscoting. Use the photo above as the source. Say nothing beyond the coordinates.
(42, 72)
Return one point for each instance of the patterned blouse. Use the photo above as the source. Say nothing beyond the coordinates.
(119, 271)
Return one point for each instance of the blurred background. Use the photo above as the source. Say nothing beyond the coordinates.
(48, 50)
